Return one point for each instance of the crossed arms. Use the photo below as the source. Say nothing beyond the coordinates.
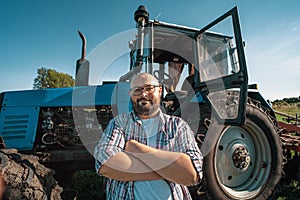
(141, 162)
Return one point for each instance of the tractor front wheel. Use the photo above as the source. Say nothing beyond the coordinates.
(243, 162)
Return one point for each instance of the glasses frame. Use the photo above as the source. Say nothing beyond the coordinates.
(136, 91)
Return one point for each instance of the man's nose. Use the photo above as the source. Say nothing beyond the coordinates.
(144, 93)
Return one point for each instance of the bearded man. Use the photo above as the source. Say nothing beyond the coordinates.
(147, 154)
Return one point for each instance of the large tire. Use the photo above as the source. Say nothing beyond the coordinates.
(242, 162)
(26, 178)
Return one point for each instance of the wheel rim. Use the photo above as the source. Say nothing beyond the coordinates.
(243, 160)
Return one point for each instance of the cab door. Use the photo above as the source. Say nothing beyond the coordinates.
(221, 71)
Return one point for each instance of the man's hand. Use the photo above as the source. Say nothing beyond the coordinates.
(134, 146)
(173, 166)
(126, 167)
(141, 162)
(131, 146)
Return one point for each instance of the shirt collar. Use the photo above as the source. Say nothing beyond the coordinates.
(138, 120)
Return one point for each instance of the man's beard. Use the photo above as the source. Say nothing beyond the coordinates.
(145, 106)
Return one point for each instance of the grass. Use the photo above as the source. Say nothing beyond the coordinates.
(87, 185)
(84, 185)
(290, 109)
(289, 191)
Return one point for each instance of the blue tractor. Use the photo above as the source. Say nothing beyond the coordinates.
(205, 81)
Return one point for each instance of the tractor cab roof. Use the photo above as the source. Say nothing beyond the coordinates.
(175, 43)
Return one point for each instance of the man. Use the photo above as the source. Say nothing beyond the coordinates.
(146, 154)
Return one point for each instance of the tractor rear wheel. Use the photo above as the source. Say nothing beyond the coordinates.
(25, 178)
(242, 162)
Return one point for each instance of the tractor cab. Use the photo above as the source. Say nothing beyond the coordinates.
(193, 65)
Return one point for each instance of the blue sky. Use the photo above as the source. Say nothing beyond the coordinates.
(37, 34)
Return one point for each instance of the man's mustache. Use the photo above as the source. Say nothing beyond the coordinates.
(144, 99)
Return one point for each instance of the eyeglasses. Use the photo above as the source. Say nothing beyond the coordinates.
(139, 90)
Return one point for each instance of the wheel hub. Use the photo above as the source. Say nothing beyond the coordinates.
(240, 157)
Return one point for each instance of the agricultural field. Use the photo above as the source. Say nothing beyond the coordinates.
(290, 106)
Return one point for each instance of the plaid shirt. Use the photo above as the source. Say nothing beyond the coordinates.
(174, 135)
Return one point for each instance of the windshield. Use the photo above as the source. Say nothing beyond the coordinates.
(216, 57)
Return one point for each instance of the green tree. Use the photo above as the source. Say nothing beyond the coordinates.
(49, 78)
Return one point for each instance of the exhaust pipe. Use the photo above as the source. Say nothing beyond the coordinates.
(82, 65)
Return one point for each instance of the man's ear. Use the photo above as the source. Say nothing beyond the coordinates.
(160, 90)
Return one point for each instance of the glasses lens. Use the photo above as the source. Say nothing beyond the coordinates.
(149, 89)
(137, 91)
